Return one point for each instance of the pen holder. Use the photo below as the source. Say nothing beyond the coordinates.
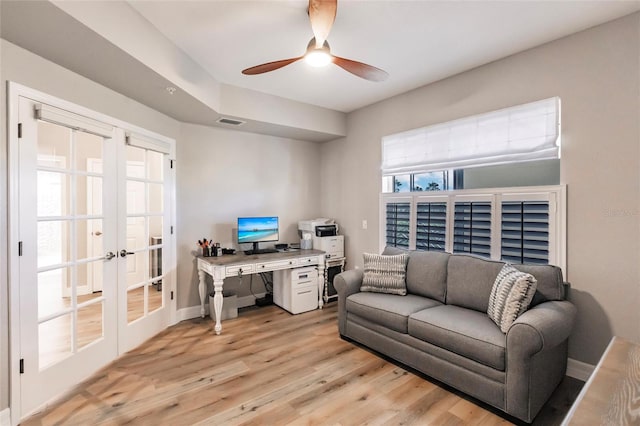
(206, 252)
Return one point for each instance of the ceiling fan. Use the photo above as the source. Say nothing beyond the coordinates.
(322, 13)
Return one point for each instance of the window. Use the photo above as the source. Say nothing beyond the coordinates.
(515, 146)
(511, 135)
(472, 228)
(517, 225)
(441, 180)
(431, 226)
(402, 183)
(525, 232)
(397, 224)
(436, 167)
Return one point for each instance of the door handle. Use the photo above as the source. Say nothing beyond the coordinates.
(124, 253)
(109, 255)
(97, 233)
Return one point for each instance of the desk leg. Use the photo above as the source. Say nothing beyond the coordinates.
(321, 273)
(202, 289)
(217, 304)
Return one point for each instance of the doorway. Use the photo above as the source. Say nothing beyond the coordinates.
(92, 200)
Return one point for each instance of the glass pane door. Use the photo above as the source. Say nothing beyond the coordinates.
(68, 287)
(146, 212)
(69, 235)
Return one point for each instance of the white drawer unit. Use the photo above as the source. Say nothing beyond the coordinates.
(296, 290)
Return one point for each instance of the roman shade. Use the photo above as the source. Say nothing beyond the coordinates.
(520, 133)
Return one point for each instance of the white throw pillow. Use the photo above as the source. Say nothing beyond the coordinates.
(385, 274)
(511, 295)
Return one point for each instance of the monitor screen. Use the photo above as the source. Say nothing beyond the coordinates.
(257, 229)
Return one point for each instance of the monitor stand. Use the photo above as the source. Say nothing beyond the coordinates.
(256, 250)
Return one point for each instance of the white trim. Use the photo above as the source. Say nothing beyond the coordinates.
(579, 370)
(5, 417)
(13, 211)
(194, 311)
(188, 313)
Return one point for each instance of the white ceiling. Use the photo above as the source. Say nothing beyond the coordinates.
(416, 42)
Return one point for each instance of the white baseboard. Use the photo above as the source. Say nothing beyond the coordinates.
(5, 417)
(188, 313)
(194, 311)
(579, 370)
(245, 301)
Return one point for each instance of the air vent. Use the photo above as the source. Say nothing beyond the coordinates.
(230, 121)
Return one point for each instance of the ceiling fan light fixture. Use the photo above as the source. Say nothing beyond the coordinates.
(318, 58)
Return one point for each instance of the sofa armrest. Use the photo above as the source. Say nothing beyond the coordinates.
(537, 344)
(544, 326)
(346, 284)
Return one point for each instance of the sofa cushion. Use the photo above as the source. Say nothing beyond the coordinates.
(385, 274)
(470, 280)
(550, 284)
(389, 310)
(426, 272)
(466, 332)
(510, 296)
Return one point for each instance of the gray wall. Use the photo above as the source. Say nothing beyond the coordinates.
(596, 73)
(23, 67)
(223, 174)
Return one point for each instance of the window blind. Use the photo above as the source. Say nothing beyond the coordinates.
(431, 226)
(398, 217)
(520, 133)
(525, 232)
(472, 228)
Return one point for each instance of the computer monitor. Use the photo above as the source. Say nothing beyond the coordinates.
(258, 230)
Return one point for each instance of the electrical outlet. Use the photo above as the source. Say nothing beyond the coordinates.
(364, 224)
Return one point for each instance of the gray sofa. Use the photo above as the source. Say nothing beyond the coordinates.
(441, 328)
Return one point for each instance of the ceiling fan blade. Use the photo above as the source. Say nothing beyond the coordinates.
(322, 13)
(270, 66)
(360, 69)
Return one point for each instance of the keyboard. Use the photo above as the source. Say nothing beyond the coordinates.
(260, 251)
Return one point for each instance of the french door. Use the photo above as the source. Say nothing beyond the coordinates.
(93, 217)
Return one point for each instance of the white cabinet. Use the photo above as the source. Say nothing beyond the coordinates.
(296, 290)
(333, 246)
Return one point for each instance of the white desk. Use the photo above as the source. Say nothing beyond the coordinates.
(235, 265)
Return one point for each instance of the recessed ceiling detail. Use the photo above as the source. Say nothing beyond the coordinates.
(416, 42)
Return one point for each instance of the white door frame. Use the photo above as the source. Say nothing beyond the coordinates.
(14, 92)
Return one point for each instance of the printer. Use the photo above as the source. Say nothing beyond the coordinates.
(323, 233)
(321, 227)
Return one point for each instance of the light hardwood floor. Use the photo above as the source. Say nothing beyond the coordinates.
(269, 368)
(55, 335)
